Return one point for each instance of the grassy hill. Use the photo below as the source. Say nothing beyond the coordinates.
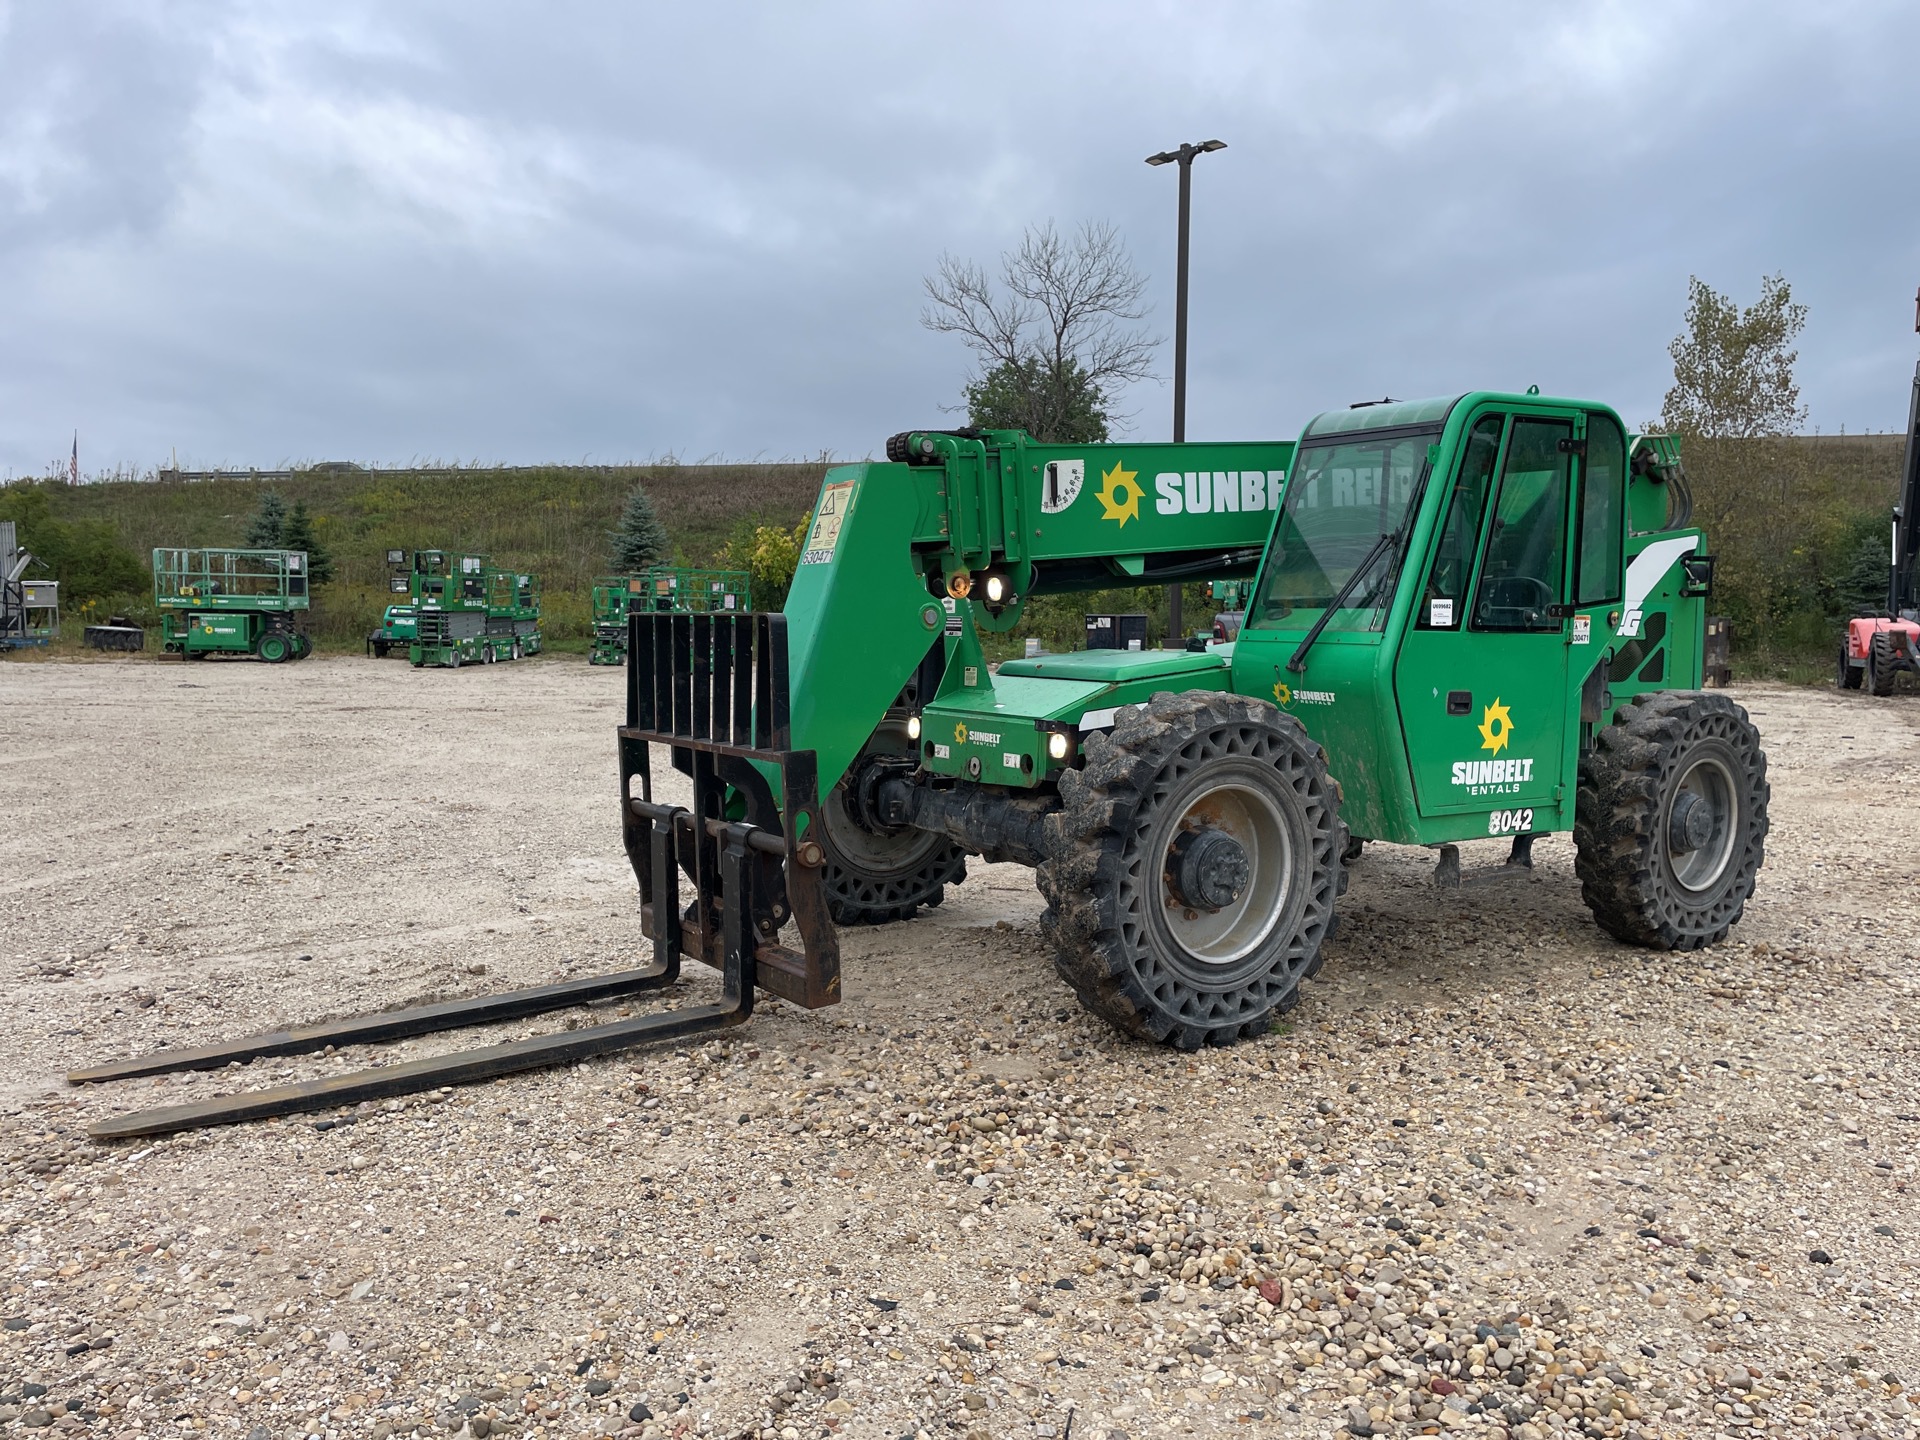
(550, 520)
(1799, 526)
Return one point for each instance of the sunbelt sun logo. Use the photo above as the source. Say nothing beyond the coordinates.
(1119, 495)
(1496, 727)
(1494, 777)
(1188, 492)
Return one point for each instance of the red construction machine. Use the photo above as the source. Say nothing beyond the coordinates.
(1876, 648)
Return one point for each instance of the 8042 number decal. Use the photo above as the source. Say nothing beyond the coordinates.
(1509, 822)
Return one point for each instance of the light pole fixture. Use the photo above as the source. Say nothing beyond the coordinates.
(1184, 158)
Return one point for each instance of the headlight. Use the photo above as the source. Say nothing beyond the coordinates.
(913, 727)
(996, 589)
(1057, 745)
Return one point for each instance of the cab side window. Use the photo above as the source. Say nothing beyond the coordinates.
(1603, 501)
(1443, 604)
(1524, 573)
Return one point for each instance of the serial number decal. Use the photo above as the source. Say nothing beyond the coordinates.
(1509, 822)
(836, 503)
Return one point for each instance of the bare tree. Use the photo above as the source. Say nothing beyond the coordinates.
(1055, 337)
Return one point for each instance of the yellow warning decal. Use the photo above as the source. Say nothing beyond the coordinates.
(836, 503)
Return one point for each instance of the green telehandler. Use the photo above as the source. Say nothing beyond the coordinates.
(1469, 618)
(1472, 617)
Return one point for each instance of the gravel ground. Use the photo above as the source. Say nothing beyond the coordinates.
(1498, 1176)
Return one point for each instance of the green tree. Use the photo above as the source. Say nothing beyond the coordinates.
(297, 533)
(641, 540)
(267, 526)
(1055, 336)
(769, 554)
(1061, 406)
(1733, 368)
(1766, 508)
(1867, 555)
(86, 556)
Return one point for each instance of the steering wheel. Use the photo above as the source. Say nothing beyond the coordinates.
(1518, 600)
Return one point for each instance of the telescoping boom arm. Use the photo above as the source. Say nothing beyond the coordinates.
(997, 518)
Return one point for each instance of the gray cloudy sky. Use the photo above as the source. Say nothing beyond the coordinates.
(247, 233)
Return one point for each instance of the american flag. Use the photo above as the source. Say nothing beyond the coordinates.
(73, 466)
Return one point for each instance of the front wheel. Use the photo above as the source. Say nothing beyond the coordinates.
(1882, 667)
(273, 648)
(1193, 869)
(1847, 675)
(1670, 821)
(875, 875)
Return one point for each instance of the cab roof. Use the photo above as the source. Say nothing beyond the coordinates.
(1383, 416)
(1392, 414)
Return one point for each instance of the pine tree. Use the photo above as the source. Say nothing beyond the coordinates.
(297, 534)
(266, 528)
(1862, 589)
(641, 541)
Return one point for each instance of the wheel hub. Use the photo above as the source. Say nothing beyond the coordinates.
(1226, 869)
(1691, 824)
(1702, 822)
(1210, 869)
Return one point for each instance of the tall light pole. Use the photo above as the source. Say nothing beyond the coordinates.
(1184, 157)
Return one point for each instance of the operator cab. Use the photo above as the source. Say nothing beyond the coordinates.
(1444, 578)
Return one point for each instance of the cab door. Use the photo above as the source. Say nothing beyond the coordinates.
(1481, 678)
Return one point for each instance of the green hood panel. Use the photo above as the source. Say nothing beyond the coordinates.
(1117, 667)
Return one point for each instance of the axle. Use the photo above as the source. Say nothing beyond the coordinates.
(995, 824)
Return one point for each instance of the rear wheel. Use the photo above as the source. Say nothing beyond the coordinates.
(1671, 820)
(1194, 868)
(874, 875)
(273, 648)
(1848, 675)
(1881, 666)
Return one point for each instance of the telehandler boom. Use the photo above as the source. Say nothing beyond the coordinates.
(1471, 617)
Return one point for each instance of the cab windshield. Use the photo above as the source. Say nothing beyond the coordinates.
(1350, 503)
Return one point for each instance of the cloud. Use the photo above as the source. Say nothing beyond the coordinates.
(251, 232)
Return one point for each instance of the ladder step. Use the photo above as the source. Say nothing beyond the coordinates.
(464, 1067)
(391, 1025)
